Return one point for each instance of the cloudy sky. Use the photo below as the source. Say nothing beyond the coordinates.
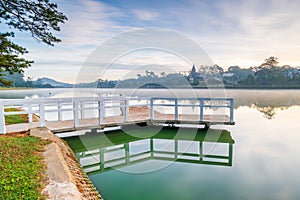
(231, 32)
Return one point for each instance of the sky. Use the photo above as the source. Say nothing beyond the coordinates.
(230, 32)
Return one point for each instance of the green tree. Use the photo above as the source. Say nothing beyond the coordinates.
(250, 80)
(38, 17)
(9, 55)
(270, 63)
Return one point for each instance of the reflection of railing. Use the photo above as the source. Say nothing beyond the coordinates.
(81, 112)
(185, 151)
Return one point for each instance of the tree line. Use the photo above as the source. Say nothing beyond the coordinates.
(268, 75)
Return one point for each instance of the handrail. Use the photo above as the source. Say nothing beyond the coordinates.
(78, 105)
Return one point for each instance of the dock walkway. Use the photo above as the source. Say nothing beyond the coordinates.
(68, 114)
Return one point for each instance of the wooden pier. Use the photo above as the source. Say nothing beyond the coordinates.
(67, 114)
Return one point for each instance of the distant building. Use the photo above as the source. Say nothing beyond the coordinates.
(194, 77)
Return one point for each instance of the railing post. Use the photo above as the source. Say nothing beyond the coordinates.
(127, 155)
(42, 114)
(30, 113)
(2, 119)
(231, 110)
(176, 109)
(151, 147)
(201, 150)
(201, 109)
(82, 110)
(59, 114)
(100, 110)
(126, 110)
(102, 151)
(151, 110)
(176, 149)
(75, 114)
(230, 154)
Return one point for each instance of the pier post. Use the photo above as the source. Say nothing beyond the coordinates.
(151, 110)
(126, 110)
(201, 151)
(100, 110)
(231, 110)
(230, 154)
(127, 155)
(176, 109)
(176, 149)
(42, 114)
(201, 109)
(102, 151)
(30, 113)
(59, 114)
(151, 147)
(75, 113)
(82, 110)
(2, 119)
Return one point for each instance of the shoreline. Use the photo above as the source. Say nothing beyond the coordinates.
(15, 88)
(201, 88)
(66, 178)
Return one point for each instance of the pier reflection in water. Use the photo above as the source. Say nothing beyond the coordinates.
(100, 152)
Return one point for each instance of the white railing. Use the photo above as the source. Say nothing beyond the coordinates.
(201, 103)
(78, 108)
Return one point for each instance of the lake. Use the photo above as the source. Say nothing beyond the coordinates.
(258, 158)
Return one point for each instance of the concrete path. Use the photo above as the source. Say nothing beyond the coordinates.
(66, 178)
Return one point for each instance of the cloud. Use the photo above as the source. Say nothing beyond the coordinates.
(89, 22)
(239, 32)
(145, 15)
(249, 31)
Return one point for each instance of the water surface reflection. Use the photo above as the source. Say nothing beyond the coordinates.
(101, 152)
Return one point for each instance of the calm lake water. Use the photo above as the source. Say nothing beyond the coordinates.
(258, 158)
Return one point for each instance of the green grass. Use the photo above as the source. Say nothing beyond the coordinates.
(15, 119)
(21, 167)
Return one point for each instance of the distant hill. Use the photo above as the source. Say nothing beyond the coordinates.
(42, 82)
(51, 83)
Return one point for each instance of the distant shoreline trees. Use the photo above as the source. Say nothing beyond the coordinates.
(268, 75)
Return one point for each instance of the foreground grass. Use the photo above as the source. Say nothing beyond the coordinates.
(15, 119)
(21, 167)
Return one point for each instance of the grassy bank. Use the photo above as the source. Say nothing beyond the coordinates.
(22, 170)
(15, 119)
(15, 88)
(18, 118)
